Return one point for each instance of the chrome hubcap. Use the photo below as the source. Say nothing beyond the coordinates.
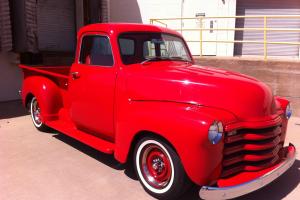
(158, 165)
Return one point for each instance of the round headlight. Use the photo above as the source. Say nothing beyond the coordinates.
(288, 111)
(215, 132)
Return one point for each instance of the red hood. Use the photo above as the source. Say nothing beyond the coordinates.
(241, 95)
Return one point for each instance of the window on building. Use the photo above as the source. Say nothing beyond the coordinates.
(96, 50)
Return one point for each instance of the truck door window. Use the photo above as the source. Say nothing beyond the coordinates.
(96, 50)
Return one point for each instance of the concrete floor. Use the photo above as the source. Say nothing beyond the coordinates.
(35, 165)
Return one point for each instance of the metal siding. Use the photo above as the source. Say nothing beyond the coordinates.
(31, 25)
(56, 25)
(268, 7)
(105, 11)
(94, 11)
(5, 27)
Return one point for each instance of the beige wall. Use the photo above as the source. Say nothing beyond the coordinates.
(10, 77)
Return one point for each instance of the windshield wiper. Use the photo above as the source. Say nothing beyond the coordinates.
(164, 58)
(179, 58)
(154, 59)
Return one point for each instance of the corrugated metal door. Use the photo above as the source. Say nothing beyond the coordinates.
(105, 11)
(5, 27)
(56, 25)
(268, 7)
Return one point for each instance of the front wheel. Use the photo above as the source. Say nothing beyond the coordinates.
(35, 112)
(159, 169)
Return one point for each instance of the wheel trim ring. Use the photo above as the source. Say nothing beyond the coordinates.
(139, 171)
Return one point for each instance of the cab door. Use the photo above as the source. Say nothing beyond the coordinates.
(92, 87)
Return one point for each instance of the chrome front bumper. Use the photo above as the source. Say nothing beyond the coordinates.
(207, 192)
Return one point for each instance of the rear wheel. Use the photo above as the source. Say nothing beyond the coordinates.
(35, 112)
(159, 169)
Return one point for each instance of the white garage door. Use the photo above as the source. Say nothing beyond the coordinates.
(268, 7)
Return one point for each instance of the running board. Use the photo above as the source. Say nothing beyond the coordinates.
(90, 140)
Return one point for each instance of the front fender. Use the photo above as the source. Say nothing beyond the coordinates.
(185, 126)
(47, 94)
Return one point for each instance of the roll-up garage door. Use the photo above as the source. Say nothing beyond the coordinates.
(105, 11)
(5, 27)
(56, 25)
(268, 7)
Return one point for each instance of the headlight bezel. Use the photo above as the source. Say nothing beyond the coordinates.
(288, 111)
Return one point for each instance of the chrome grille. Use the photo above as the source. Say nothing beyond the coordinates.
(251, 150)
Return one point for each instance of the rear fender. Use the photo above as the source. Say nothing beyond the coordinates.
(47, 94)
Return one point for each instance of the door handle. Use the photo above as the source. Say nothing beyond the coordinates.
(75, 75)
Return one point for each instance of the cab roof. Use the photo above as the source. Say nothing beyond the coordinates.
(118, 28)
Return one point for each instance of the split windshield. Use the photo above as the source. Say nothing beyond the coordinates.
(144, 47)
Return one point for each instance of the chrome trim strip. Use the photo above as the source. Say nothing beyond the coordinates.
(170, 101)
(207, 192)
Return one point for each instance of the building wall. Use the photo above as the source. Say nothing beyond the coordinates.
(141, 11)
(10, 77)
(226, 8)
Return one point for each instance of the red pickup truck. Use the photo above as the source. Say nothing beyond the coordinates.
(134, 91)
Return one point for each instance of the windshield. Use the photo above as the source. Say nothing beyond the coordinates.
(143, 47)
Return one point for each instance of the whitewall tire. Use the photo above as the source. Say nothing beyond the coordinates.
(36, 116)
(159, 169)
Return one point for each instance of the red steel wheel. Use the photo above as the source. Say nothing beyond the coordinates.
(156, 166)
(159, 169)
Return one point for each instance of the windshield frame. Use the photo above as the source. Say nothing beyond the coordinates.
(181, 39)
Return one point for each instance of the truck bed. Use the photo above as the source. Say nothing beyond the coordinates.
(54, 71)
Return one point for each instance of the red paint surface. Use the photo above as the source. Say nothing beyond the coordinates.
(107, 108)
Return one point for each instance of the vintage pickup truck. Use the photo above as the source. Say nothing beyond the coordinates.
(134, 91)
